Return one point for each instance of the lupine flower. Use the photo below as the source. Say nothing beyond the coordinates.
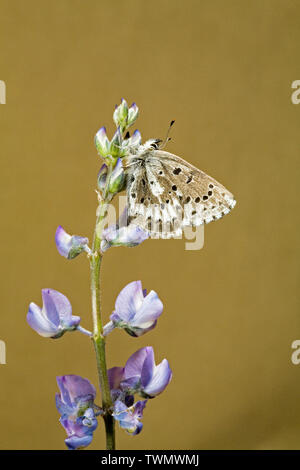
(135, 311)
(122, 234)
(123, 116)
(75, 403)
(102, 143)
(129, 418)
(143, 376)
(70, 246)
(55, 317)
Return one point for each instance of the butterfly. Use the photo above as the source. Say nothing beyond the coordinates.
(165, 193)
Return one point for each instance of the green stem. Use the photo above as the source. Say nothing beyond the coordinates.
(98, 338)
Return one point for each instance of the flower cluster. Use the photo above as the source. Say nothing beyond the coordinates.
(139, 376)
(136, 311)
(75, 403)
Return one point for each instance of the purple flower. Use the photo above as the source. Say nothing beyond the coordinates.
(143, 376)
(122, 234)
(70, 246)
(75, 403)
(55, 317)
(135, 311)
(129, 418)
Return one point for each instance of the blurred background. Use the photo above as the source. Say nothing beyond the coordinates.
(223, 70)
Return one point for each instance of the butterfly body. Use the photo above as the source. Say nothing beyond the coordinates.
(165, 193)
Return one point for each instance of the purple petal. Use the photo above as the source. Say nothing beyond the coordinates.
(56, 306)
(129, 300)
(63, 241)
(69, 246)
(135, 363)
(115, 376)
(148, 368)
(74, 442)
(129, 417)
(139, 408)
(161, 377)
(119, 407)
(151, 308)
(64, 393)
(63, 408)
(77, 387)
(138, 429)
(39, 322)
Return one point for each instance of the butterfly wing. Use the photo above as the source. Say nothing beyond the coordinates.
(166, 193)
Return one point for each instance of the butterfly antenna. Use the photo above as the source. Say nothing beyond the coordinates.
(167, 138)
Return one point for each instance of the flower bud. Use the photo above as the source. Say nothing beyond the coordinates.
(133, 113)
(120, 115)
(124, 117)
(117, 179)
(115, 147)
(69, 246)
(102, 143)
(102, 175)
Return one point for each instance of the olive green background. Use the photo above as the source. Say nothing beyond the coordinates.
(223, 70)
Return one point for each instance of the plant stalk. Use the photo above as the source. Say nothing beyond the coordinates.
(98, 338)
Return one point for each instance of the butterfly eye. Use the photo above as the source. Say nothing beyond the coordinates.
(156, 143)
